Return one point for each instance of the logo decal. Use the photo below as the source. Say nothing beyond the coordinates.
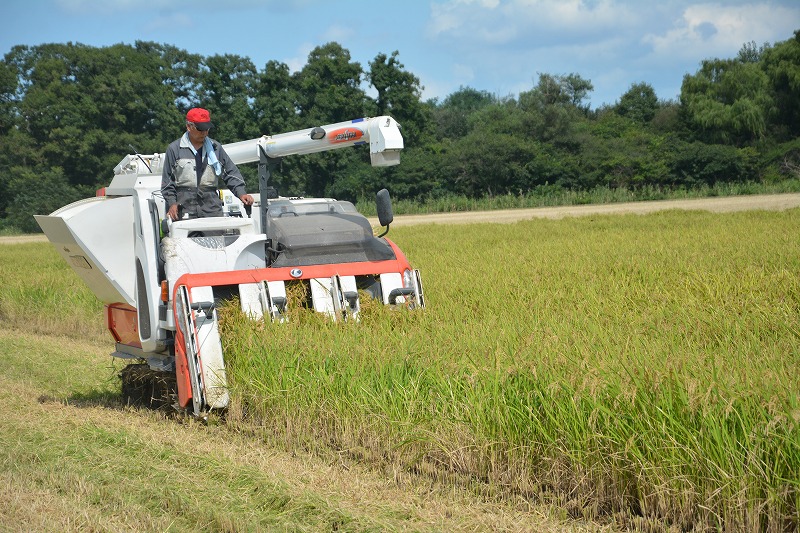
(296, 273)
(344, 135)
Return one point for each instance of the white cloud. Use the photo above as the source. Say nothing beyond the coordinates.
(297, 62)
(462, 74)
(527, 21)
(709, 30)
(338, 33)
(507, 43)
(613, 43)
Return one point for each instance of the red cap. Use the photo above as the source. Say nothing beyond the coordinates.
(200, 117)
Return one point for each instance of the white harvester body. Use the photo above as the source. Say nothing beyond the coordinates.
(160, 280)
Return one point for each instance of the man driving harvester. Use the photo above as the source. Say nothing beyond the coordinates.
(193, 165)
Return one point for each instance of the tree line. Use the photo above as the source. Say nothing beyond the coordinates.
(70, 112)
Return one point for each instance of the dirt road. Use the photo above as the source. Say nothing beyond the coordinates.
(769, 202)
(20, 239)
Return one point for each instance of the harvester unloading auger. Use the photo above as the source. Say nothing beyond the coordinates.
(161, 280)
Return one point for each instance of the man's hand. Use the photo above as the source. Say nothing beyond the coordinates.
(246, 199)
(173, 212)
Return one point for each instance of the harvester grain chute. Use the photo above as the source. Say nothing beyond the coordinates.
(160, 280)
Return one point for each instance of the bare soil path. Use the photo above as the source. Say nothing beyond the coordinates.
(769, 202)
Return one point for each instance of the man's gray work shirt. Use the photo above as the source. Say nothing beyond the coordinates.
(196, 192)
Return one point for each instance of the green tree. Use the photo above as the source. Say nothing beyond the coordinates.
(667, 118)
(751, 53)
(329, 87)
(38, 192)
(699, 163)
(399, 95)
(781, 63)
(227, 84)
(179, 71)
(728, 100)
(8, 90)
(274, 109)
(83, 106)
(78, 110)
(8, 120)
(554, 106)
(275, 98)
(452, 115)
(639, 103)
(494, 164)
(563, 90)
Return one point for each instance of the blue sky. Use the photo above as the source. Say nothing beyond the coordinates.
(499, 46)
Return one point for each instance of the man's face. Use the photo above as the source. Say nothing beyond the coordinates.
(196, 136)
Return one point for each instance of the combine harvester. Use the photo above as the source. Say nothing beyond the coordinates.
(161, 281)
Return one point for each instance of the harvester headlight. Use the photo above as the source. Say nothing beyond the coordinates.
(408, 278)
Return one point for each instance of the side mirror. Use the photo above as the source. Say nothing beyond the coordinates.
(166, 225)
(383, 204)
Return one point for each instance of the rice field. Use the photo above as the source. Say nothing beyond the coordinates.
(636, 370)
(640, 368)
(39, 293)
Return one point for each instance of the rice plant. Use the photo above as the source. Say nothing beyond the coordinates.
(637, 368)
(41, 294)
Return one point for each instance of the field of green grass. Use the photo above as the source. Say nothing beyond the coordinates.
(634, 371)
